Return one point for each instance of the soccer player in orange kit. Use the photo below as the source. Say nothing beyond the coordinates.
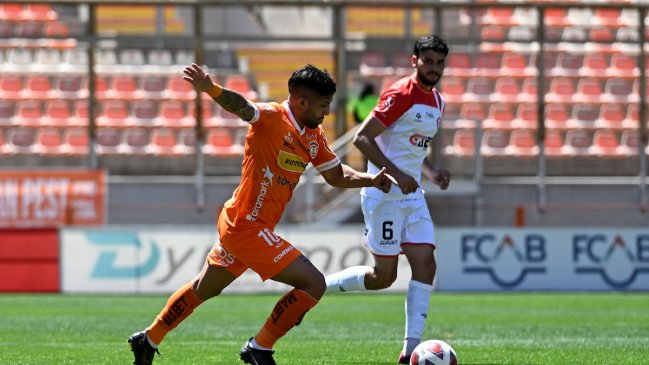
(282, 140)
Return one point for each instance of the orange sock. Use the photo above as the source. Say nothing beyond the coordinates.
(288, 312)
(179, 306)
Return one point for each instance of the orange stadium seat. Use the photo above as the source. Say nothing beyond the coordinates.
(489, 64)
(179, 89)
(29, 113)
(605, 143)
(508, 90)
(459, 64)
(11, 87)
(623, 65)
(452, 89)
(595, 65)
(493, 33)
(80, 114)
(218, 142)
(123, 87)
(608, 17)
(48, 141)
(556, 17)
(472, 113)
(526, 116)
(611, 116)
(57, 113)
(632, 120)
(101, 87)
(517, 65)
(501, 16)
(556, 116)
(530, 89)
(479, 89)
(12, 12)
(173, 114)
(28, 30)
(114, 114)
(463, 143)
(75, 141)
(209, 120)
(186, 141)
(240, 84)
(163, 142)
(589, 90)
(562, 90)
(501, 116)
(39, 13)
(56, 29)
(522, 142)
(38, 87)
(601, 34)
(553, 143)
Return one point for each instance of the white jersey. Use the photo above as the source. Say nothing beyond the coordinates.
(412, 116)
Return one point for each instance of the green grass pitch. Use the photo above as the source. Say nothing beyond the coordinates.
(484, 329)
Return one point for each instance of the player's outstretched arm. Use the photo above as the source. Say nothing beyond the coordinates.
(343, 176)
(229, 100)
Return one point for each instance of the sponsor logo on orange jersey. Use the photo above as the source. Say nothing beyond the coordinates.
(266, 182)
(291, 162)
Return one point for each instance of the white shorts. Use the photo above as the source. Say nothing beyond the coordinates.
(392, 223)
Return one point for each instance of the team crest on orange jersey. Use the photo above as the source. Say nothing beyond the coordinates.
(313, 148)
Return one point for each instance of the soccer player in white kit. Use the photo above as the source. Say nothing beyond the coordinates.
(397, 135)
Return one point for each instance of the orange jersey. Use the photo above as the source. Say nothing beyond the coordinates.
(276, 154)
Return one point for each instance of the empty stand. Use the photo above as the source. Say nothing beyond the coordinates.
(522, 142)
(501, 116)
(375, 64)
(153, 87)
(145, 113)
(70, 87)
(29, 113)
(11, 87)
(179, 89)
(463, 143)
(173, 114)
(108, 141)
(48, 141)
(553, 143)
(611, 116)
(7, 110)
(163, 143)
(584, 116)
(135, 141)
(578, 142)
(38, 87)
(219, 142)
(526, 117)
(75, 141)
(494, 143)
(241, 84)
(20, 140)
(605, 143)
(114, 113)
(57, 113)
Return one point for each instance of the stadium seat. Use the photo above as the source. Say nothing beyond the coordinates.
(160, 57)
(80, 114)
(553, 143)
(472, 113)
(601, 34)
(568, 65)
(499, 16)
(402, 63)
(489, 64)
(38, 87)
(57, 113)
(101, 87)
(12, 12)
(173, 114)
(605, 143)
(56, 29)
(6, 30)
(28, 30)
(185, 57)
(619, 91)
(179, 89)
(479, 89)
(589, 90)
(114, 114)
(4, 148)
(556, 17)
(70, 87)
(29, 113)
(153, 87)
(39, 13)
(108, 141)
(562, 90)
(629, 141)
(135, 141)
(628, 34)
(163, 142)
(595, 65)
(576, 34)
(632, 120)
(530, 89)
(459, 64)
(584, 116)
(522, 142)
(578, 142)
(508, 90)
(526, 116)
(556, 116)
(11, 87)
(145, 113)
(240, 84)
(48, 141)
(131, 59)
(611, 116)
(494, 143)
(218, 142)
(493, 33)
(74, 60)
(186, 141)
(374, 64)
(106, 61)
(18, 60)
(75, 141)
(209, 120)
(452, 89)
(463, 143)
(47, 60)
(7, 111)
(517, 65)
(521, 33)
(501, 116)
(623, 65)
(20, 140)
(608, 17)
(123, 87)
(580, 16)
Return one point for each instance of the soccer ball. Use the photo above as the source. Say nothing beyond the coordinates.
(433, 352)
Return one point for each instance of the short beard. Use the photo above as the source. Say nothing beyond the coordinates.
(426, 81)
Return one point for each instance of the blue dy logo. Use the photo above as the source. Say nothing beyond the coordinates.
(506, 261)
(117, 252)
(617, 259)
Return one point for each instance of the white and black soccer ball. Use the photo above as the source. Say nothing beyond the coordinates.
(433, 352)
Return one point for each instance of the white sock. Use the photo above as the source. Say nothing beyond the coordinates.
(417, 302)
(352, 278)
(409, 345)
(254, 345)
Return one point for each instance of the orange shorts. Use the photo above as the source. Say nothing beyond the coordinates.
(257, 248)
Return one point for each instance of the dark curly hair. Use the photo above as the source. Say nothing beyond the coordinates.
(433, 42)
(312, 78)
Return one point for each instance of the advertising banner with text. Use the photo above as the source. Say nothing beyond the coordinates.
(52, 197)
(159, 260)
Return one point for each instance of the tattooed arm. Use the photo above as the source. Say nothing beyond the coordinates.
(229, 100)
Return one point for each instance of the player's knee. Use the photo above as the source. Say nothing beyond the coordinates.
(382, 280)
(316, 286)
